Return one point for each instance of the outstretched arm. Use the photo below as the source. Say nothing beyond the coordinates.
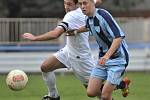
(76, 31)
(82, 29)
(46, 36)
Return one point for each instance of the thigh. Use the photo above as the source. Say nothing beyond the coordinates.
(99, 73)
(62, 56)
(52, 63)
(94, 86)
(115, 73)
(97, 77)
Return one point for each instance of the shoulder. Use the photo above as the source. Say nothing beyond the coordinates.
(76, 11)
(74, 14)
(104, 14)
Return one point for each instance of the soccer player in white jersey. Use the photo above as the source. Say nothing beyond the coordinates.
(113, 52)
(76, 54)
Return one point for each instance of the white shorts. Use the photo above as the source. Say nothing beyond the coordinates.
(82, 68)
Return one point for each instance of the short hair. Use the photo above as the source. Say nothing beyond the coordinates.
(93, 1)
(75, 1)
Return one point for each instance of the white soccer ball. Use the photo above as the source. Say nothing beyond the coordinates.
(17, 80)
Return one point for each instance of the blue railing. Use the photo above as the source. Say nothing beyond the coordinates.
(29, 47)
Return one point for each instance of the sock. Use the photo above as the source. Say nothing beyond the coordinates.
(121, 85)
(50, 81)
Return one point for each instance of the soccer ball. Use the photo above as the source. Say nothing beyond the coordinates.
(16, 80)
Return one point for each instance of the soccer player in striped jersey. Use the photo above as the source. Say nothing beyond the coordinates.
(113, 52)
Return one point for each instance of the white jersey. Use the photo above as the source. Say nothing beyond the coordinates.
(77, 45)
(76, 54)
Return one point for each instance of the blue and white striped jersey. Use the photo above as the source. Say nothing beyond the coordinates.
(104, 28)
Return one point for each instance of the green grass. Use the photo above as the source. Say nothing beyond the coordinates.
(71, 89)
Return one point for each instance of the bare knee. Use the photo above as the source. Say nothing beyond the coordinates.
(91, 93)
(44, 68)
(49, 64)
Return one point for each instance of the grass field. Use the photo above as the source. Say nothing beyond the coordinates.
(71, 89)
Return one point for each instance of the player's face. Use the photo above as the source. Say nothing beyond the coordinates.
(69, 5)
(87, 7)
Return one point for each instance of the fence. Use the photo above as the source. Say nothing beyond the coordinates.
(137, 29)
(137, 34)
(11, 29)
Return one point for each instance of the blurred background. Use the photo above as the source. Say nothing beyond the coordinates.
(40, 16)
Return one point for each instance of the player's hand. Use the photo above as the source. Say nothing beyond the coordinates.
(28, 36)
(102, 61)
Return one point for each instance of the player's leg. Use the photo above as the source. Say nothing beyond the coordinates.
(50, 64)
(114, 77)
(93, 89)
(124, 86)
(107, 91)
(97, 77)
(50, 82)
(125, 89)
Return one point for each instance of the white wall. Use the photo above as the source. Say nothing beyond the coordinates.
(31, 61)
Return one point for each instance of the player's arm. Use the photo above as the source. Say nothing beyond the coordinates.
(114, 46)
(82, 29)
(77, 31)
(46, 36)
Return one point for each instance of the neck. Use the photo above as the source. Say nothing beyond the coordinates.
(76, 7)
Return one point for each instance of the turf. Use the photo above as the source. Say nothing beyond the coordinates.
(71, 89)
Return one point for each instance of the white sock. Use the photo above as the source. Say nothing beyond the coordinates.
(50, 81)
